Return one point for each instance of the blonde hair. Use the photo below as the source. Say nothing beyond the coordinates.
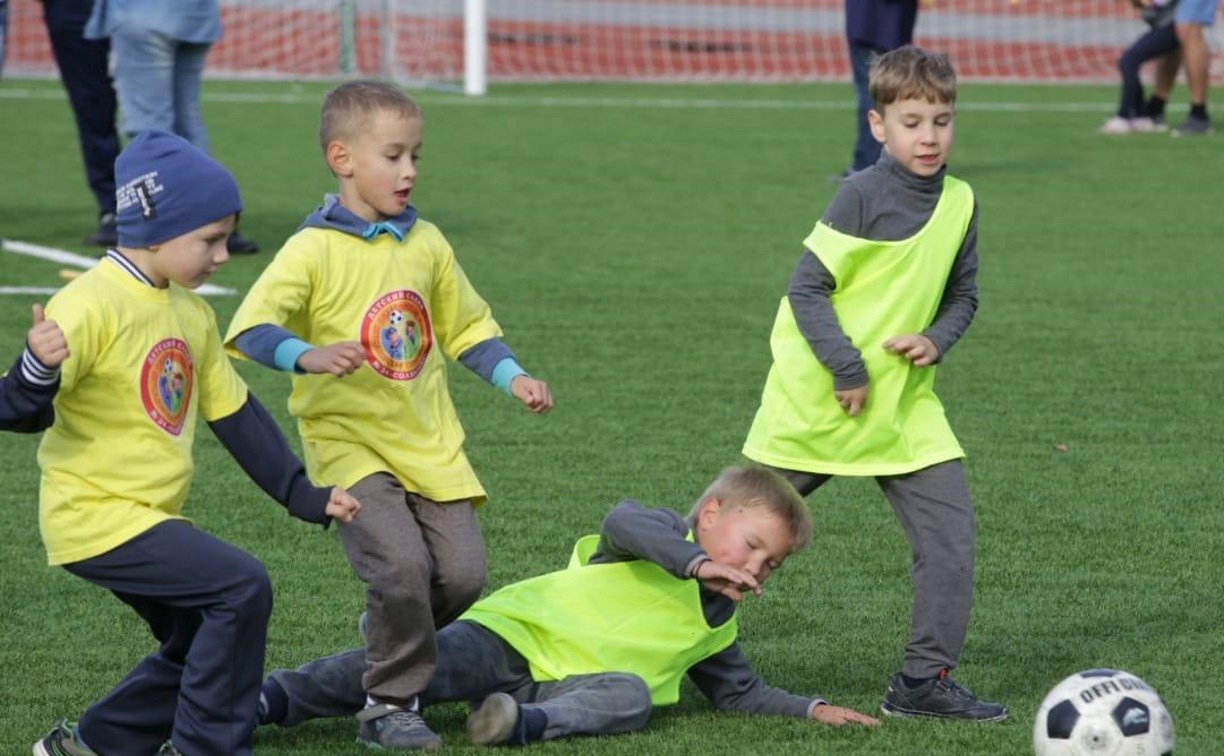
(348, 108)
(755, 486)
(911, 73)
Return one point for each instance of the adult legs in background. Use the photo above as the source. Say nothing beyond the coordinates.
(84, 71)
(866, 148)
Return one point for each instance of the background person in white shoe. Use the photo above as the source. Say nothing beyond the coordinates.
(591, 649)
(1135, 115)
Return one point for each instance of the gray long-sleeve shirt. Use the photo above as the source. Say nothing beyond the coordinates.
(885, 202)
(631, 531)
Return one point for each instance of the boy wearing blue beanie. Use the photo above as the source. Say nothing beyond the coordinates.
(116, 461)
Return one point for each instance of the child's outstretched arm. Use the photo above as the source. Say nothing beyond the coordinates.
(28, 389)
(254, 439)
(730, 683)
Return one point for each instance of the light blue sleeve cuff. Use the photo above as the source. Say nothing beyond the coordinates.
(505, 372)
(287, 353)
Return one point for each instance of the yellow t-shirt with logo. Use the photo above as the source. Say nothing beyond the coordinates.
(144, 363)
(884, 289)
(410, 304)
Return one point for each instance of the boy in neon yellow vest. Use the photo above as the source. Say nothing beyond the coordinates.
(592, 648)
(884, 289)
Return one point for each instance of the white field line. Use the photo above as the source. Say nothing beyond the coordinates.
(26, 290)
(660, 103)
(64, 257)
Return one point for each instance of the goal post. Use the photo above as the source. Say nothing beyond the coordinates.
(475, 47)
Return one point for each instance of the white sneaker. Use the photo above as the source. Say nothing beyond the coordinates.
(1143, 125)
(1118, 125)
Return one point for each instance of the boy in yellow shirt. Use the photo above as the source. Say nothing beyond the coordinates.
(363, 304)
(146, 360)
(591, 649)
(884, 289)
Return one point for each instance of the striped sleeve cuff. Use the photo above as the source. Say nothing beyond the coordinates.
(35, 372)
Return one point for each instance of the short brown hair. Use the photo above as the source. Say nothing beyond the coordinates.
(755, 486)
(911, 73)
(347, 109)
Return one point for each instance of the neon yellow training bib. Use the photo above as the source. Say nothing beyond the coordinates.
(884, 289)
(615, 617)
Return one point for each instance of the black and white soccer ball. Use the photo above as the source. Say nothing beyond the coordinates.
(1103, 712)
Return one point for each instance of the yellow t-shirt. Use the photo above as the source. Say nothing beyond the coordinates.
(884, 289)
(144, 363)
(409, 303)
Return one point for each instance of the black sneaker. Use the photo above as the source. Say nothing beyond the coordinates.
(237, 244)
(107, 233)
(1194, 126)
(61, 741)
(941, 697)
(389, 726)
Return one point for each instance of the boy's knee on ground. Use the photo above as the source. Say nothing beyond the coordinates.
(637, 699)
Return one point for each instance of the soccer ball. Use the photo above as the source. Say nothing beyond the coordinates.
(1103, 712)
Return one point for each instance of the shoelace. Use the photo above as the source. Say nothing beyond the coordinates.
(406, 719)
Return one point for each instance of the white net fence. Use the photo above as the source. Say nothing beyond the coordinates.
(644, 40)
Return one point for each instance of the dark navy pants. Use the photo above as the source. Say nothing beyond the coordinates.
(866, 148)
(207, 603)
(1155, 43)
(84, 73)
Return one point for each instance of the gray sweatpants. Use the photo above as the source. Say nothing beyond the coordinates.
(935, 511)
(473, 663)
(423, 563)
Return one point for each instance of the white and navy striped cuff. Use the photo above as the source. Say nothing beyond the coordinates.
(35, 372)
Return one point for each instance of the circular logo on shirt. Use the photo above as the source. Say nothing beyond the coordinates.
(165, 384)
(397, 335)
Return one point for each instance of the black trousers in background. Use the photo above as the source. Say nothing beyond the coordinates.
(83, 66)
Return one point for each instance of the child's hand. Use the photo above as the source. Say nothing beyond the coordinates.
(533, 393)
(339, 359)
(726, 580)
(837, 716)
(46, 340)
(342, 506)
(852, 400)
(914, 347)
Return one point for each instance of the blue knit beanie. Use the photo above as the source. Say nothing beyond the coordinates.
(166, 187)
